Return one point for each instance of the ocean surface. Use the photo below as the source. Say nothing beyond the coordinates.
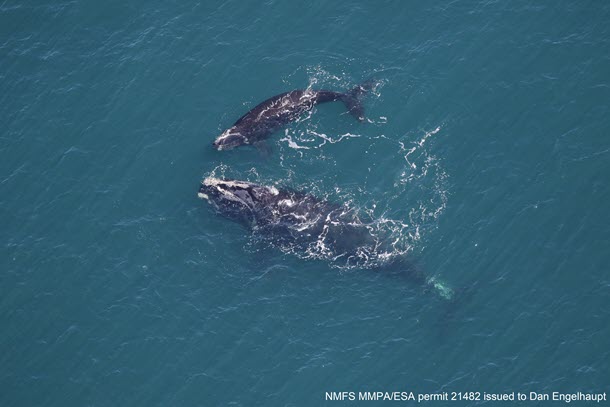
(485, 153)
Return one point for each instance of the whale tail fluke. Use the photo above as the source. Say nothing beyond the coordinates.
(440, 288)
(455, 310)
(353, 99)
(416, 275)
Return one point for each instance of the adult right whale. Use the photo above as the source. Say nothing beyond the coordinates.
(269, 116)
(301, 222)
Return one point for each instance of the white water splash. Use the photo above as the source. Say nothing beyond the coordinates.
(418, 145)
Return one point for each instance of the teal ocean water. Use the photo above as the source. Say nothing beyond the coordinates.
(486, 153)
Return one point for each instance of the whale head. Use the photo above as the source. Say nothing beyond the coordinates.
(230, 198)
(222, 192)
(229, 139)
(238, 200)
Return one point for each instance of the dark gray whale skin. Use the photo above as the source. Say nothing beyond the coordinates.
(299, 220)
(269, 116)
(281, 212)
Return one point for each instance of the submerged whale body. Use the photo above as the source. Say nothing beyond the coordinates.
(269, 116)
(300, 222)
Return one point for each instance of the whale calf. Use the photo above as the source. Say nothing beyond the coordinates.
(300, 221)
(269, 116)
